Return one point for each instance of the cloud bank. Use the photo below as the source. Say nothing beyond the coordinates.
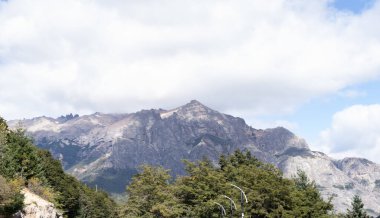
(250, 56)
(354, 131)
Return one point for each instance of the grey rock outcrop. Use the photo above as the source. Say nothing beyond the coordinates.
(106, 149)
(35, 207)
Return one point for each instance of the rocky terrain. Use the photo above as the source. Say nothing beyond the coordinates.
(106, 149)
(35, 206)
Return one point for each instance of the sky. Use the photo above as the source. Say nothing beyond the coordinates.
(310, 66)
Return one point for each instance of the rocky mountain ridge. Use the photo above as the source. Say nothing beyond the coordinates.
(106, 149)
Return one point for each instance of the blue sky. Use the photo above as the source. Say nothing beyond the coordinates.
(354, 6)
(311, 66)
(316, 115)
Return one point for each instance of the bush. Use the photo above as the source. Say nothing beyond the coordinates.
(11, 200)
(37, 187)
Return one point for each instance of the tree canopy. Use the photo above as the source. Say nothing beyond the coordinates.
(205, 186)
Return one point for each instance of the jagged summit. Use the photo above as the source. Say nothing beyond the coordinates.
(194, 106)
(194, 110)
(194, 103)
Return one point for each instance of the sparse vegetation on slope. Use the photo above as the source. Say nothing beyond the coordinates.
(20, 160)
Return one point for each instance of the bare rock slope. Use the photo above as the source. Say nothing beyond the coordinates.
(106, 149)
(35, 206)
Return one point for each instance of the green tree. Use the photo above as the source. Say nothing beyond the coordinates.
(198, 191)
(194, 195)
(149, 195)
(308, 201)
(357, 208)
(96, 204)
(20, 158)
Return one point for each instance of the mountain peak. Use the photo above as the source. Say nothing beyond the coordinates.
(195, 103)
(190, 111)
(195, 106)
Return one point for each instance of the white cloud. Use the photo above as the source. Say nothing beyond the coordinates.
(354, 131)
(120, 56)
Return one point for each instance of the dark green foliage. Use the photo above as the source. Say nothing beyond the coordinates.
(150, 195)
(195, 195)
(67, 186)
(357, 210)
(308, 199)
(96, 204)
(11, 200)
(301, 180)
(21, 159)
(198, 191)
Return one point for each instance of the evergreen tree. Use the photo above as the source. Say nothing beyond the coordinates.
(357, 209)
(308, 201)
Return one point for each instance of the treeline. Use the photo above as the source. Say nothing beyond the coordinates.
(153, 193)
(204, 189)
(24, 165)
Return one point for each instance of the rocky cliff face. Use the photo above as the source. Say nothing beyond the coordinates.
(106, 149)
(35, 206)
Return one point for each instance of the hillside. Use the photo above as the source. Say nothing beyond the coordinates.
(29, 174)
(106, 149)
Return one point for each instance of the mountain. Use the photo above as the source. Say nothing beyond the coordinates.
(107, 149)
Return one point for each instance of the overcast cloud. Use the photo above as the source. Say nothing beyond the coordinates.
(120, 56)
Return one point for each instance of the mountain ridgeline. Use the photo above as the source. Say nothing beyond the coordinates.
(107, 149)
